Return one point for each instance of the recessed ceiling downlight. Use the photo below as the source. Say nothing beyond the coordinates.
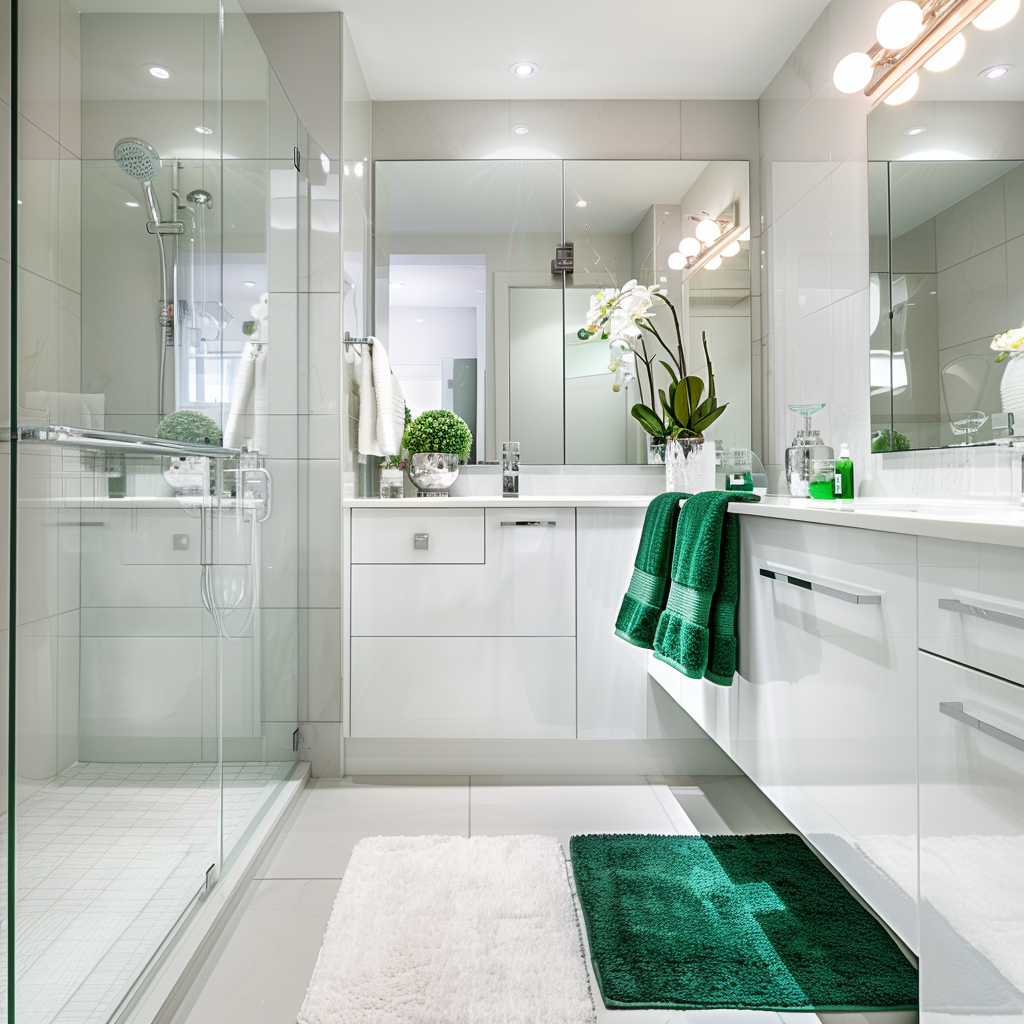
(158, 72)
(918, 129)
(997, 72)
(520, 129)
(524, 69)
(203, 130)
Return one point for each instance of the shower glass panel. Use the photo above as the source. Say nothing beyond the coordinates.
(160, 259)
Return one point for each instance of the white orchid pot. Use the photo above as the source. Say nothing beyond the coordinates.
(1011, 389)
(689, 465)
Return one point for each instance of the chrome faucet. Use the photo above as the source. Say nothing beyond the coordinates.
(510, 469)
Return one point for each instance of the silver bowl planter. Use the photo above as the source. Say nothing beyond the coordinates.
(433, 473)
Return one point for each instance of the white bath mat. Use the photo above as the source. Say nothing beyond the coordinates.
(445, 930)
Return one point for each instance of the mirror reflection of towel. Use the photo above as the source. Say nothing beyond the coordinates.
(381, 403)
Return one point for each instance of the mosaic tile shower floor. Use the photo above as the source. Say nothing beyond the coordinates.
(109, 857)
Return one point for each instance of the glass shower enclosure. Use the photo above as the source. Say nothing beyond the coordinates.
(160, 230)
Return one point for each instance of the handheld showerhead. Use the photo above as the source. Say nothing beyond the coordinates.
(139, 160)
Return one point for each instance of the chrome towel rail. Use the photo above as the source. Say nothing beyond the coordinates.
(955, 709)
(988, 614)
(126, 444)
(821, 588)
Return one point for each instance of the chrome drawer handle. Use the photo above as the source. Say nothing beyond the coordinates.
(820, 588)
(532, 522)
(948, 604)
(955, 709)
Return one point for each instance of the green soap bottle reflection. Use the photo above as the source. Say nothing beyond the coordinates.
(844, 474)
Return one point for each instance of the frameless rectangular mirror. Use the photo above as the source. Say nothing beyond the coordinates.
(946, 263)
(475, 320)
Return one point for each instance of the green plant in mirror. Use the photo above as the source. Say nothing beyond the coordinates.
(438, 430)
(623, 319)
(190, 426)
(890, 441)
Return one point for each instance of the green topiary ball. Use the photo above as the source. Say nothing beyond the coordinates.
(890, 441)
(190, 426)
(438, 430)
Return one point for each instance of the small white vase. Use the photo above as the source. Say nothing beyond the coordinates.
(1011, 389)
(689, 465)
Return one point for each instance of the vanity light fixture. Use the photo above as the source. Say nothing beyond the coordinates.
(203, 130)
(724, 234)
(714, 263)
(996, 72)
(918, 129)
(911, 36)
(520, 129)
(689, 246)
(524, 69)
(158, 72)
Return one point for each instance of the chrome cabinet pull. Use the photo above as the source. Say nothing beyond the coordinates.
(531, 522)
(820, 588)
(421, 541)
(948, 604)
(955, 709)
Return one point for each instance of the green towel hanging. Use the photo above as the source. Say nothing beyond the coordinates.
(648, 589)
(697, 631)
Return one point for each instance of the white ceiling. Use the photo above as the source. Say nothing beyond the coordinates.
(586, 49)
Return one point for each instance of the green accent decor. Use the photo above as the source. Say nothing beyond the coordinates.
(191, 426)
(731, 922)
(705, 588)
(644, 601)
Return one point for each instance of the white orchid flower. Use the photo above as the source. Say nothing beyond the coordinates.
(1009, 341)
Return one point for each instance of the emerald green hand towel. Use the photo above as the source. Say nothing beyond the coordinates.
(645, 599)
(705, 590)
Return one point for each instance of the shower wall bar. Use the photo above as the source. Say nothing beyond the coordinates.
(106, 440)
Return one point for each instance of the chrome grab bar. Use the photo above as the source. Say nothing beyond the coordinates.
(948, 604)
(955, 709)
(268, 490)
(820, 588)
(531, 522)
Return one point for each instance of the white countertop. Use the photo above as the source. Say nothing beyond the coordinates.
(985, 522)
(982, 522)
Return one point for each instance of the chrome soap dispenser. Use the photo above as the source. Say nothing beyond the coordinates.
(807, 447)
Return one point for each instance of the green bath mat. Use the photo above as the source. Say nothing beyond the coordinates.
(731, 922)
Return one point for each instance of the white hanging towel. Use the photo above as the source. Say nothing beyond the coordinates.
(381, 403)
(242, 397)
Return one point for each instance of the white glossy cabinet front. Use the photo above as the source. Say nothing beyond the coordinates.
(524, 587)
(464, 687)
(971, 605)
(825, 717)
(972, 846)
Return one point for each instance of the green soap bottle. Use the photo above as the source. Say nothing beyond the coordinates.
(844, 474)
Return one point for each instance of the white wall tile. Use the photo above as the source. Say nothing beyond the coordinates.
(437, 130)
(39, 63)
(39, 192)
(324, 665)
(324, 551)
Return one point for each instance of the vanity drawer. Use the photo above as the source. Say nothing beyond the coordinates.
(971, 605)
(388, 536)
(464, 687)
(525, 587)
(972, 844)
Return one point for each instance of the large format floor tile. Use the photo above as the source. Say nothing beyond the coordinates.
(336, 813)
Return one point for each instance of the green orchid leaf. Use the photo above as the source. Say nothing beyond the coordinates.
(671, 370)
(648, 419)
(703, 424)
(695, 388)
(665, 403)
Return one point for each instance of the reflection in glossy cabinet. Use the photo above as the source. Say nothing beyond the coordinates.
(972, 844)
(825, 719)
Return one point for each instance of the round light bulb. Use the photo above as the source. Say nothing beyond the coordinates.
(853, 72)
(949, 55)
(997, 15)
(707, 230)
(904, 92)
(714, 263)
(731, 249)
(689, 246)
(899, 25)
(676, 261)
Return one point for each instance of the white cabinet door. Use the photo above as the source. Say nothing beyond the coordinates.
(525, 587)
(972, 845)
(827, 713)
(464, 687)
(612, 675)
(971, 605)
